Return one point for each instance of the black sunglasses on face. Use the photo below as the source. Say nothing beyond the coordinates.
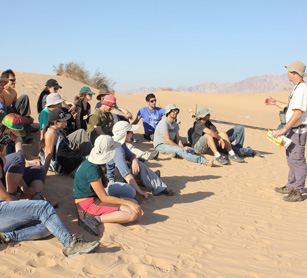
(153, 100)
(12, 79)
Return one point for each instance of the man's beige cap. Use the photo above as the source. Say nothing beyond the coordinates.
(297, 67)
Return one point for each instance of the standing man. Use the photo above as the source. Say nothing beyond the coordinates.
(151, 116)
(167, 140)
(296, 130)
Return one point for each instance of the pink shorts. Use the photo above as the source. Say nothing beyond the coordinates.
(92, 206)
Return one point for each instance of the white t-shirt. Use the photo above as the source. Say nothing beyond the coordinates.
(298, 100)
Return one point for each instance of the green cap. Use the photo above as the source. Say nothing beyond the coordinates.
(86, 90)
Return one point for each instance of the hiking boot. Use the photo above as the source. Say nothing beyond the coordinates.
(235, 158)
(222, 160)
(4, 238)
(78, 247)
(294, 196)
(283, 190)
(209, 163)
(90, 224)
(153, 155)
(170, 154)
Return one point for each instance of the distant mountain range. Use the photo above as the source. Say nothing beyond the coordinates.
(251, 85)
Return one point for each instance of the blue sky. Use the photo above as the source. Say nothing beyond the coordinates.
(155, 43)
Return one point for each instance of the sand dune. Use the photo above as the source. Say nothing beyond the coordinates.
(224, 221)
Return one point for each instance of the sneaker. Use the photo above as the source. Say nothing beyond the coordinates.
(282, 190)
(78, 247)
(170, 154)
(256, 153)
(90, 224)
(209, 163)
(153, 155)
(235, 158)
(294, 196)
(4, 238)
(222, 160)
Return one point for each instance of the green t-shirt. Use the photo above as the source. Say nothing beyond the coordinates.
(87, 173)
(98, 118)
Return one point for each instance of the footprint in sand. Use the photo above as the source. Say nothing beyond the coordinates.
(92, 270)
(187, 262)
(129, 258)
(26, 272)
(138, 270)
(162, 265)
(42, 262)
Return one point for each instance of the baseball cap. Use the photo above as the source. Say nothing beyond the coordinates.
(58, 115)
(109, 100)
(86, 90)
(53, 83)
(15, 123)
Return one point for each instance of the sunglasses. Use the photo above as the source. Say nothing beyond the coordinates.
(12, 79)
(153, 100)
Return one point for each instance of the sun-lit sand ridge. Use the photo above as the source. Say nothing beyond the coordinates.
(224, 221)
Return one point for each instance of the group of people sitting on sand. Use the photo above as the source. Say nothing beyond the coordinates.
(96, 150)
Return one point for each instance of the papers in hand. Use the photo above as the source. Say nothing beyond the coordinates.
(281, 141)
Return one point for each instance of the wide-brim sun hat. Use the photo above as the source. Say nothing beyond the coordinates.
(53, 99)
(297, 67)
(103, 92)
(171, 107)
(120, 130)
(104, 150)
(15, 123)
(202, 112)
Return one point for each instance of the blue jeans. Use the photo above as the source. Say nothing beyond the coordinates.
(120, 189)
(237, 134)
(165, 148)
(29, 220)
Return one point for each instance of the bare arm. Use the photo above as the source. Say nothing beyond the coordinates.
(293, 120)
(136, 120)
(50, 141)
(122, 112)
(130, 180)
(273, 101)
(102, 195)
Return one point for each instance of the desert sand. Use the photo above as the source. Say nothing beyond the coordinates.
(224, 221)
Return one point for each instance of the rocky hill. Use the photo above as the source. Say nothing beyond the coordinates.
(258, 84)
